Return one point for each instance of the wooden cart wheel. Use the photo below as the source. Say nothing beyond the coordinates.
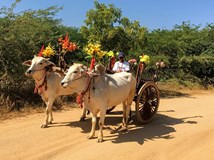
(147, 102)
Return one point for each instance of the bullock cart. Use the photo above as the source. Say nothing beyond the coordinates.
(147, 95)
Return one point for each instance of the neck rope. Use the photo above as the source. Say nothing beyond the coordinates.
(39, 87)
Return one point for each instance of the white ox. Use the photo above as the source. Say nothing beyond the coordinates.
(47, 84)
(101, 92)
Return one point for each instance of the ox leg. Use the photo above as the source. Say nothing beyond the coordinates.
(48, 112)
(83, 115)
(126, 111)
(101, 124)
(50, 121)
(93, 122)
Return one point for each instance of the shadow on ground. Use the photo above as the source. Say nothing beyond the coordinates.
(173, 94)
(161, 127)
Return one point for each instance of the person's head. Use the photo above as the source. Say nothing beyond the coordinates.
(121, 56)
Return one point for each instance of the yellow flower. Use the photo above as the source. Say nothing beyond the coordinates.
(94, 50)
(49, 51)
(100, 54)
(110, 54)
(145, 59)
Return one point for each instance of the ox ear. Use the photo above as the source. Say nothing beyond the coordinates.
(49, 65)
(82, 69)
(27, 63)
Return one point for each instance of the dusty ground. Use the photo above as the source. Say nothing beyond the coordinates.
(182, 130)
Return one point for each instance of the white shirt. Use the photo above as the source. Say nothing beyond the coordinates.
(121, 66)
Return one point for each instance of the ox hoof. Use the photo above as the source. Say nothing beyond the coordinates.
(82, 119)
(124, 130)
(50, 122)
(44, 126)
(100, 140)
(90, 137)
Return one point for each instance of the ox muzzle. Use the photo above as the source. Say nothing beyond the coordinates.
(64, 84)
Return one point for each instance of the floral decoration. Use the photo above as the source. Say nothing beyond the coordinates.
(48, 51)
(145, 59)
(67, 46)
(94, 50)
(110, 54)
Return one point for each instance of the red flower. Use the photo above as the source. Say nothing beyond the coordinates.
(66, 44)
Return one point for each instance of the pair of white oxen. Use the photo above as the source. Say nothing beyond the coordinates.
(99, 92)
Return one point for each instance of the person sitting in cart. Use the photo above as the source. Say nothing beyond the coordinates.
(121, 65)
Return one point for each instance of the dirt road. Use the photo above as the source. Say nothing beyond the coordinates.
(182, 130)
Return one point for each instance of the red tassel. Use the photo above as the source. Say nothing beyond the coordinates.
(79, 100)
(112, 62)
(40, 53)
(93, 60)
(140, 66)
(35, 90)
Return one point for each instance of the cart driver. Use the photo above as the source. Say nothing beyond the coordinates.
(121, 65)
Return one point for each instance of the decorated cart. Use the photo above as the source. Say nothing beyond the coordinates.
(147, 95)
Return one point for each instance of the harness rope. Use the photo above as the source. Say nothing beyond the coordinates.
(80, 96)
(79, 99)
(38, 88)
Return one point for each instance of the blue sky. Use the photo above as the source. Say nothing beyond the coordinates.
(153, 14)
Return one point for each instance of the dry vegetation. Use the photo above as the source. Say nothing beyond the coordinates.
(62, 103)
(168, 90)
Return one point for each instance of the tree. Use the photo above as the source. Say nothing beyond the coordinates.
(106, 25)
(21, 36)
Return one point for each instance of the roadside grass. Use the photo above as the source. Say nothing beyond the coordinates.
(172, 89)
(59, 105)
